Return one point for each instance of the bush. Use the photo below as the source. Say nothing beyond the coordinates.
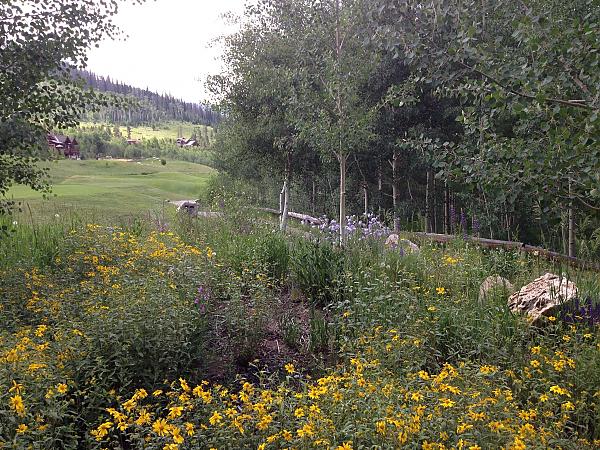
(316, 268)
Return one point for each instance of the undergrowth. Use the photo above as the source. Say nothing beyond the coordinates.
(223, 333)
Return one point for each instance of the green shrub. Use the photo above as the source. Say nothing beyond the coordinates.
(316, 268)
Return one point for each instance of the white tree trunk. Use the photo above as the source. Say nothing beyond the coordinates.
(342, 222)
(284, 200)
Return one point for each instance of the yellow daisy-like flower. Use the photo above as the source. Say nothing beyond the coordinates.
(189, 429)
(558, 390)
(16, 403)
(345, 446)
(447, 403)
(440, 290)
(22, 428)
(62, 388)
(216, 418)
(177, 437)
(174, 412)
(289, 368)
(160, 427)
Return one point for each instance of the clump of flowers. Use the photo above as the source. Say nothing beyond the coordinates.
(203, 297)
(357, 227)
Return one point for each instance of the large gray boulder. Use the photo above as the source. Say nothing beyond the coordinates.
(394, 242)
(492, 285)
(542, 297)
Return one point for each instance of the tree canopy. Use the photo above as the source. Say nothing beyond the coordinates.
(482, 110)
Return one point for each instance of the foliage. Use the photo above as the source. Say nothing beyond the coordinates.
(316, 268)
(418, 359)
(40, 42)
(531, 123)
(442, 104)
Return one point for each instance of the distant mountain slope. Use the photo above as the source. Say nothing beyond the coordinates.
(155, 108)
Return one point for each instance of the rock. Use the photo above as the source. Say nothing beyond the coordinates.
(494, 284)
(542, 296)
(393, 241)
(191, 208)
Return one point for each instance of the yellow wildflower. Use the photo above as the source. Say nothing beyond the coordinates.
(216, 418)
(559, 391)
(16, 403)
(177, 437)
(160, 427)
(447, 403)
(174, 412)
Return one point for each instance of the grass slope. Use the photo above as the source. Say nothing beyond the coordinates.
(113, 188)
(167, 130)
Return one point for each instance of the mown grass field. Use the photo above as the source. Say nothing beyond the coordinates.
(167, 130)
(108, 189)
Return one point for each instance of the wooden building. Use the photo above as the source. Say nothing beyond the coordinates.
(64, 145)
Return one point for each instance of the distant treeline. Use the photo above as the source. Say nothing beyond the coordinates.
(153, 108)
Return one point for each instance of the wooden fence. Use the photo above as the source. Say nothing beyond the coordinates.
(488, 243)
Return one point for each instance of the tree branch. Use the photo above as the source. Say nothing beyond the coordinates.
(572, 103)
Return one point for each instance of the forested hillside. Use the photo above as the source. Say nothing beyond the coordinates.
(152, 108)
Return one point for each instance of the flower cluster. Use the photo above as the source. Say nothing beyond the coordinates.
(363, 227)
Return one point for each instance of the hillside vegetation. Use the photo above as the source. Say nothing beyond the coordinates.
(149, 107)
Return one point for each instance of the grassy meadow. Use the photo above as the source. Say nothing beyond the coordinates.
(224, 333)
(166, 130)
(106, 189)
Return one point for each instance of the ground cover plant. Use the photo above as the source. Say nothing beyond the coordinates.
(213, 334)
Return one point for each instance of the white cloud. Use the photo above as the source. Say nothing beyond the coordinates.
(167, 48)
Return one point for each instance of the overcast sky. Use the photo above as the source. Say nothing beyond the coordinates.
(167, 48)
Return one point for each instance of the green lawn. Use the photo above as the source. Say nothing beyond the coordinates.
(166, 130)
(109, 189)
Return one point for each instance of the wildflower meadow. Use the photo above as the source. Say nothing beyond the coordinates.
(220, 333)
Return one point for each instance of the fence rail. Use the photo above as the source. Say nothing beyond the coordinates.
(488, 243)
